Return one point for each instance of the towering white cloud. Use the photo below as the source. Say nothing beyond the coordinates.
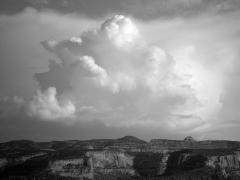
(46, 106)
(129, 82)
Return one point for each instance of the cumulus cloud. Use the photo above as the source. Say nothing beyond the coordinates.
(129, 82)
(88, 63)
(47, 106)
(115, 55)
(206, 54)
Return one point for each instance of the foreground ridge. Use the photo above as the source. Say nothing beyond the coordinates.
(126, 157)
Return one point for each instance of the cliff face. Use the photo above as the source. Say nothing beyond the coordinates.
(222, 165)
(111, 162)
(110, 159)
(163, 164)
(231, 161)
(94, 162)
(141, 164)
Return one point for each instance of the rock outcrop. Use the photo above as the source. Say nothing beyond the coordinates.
(189, 139)
(231, 161)
(76, 168)
(94, 162)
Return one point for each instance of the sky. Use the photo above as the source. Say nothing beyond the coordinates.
(76, 69)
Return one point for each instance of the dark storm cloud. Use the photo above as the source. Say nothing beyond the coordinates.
(90, 8)
(142, 9)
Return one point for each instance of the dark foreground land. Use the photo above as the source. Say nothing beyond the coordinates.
(127, 158)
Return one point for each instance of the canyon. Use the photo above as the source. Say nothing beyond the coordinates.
(125, 158)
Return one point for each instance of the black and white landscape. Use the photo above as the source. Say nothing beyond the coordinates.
(74, 70)
(124, 158)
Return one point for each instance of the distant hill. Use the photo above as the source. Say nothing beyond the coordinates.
(126, 142)
(131, 139)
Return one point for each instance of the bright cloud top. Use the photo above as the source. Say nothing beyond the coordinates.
(127, 82)
(120, 30)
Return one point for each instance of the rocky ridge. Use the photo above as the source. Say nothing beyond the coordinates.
(128, 156)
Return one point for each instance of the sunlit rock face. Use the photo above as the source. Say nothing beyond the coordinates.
(104, 159)
(94, 162)
(227, 161)
(110, 161)
(163, 164)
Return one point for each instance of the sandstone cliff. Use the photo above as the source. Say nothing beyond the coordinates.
(231, 161)
(94, 162)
